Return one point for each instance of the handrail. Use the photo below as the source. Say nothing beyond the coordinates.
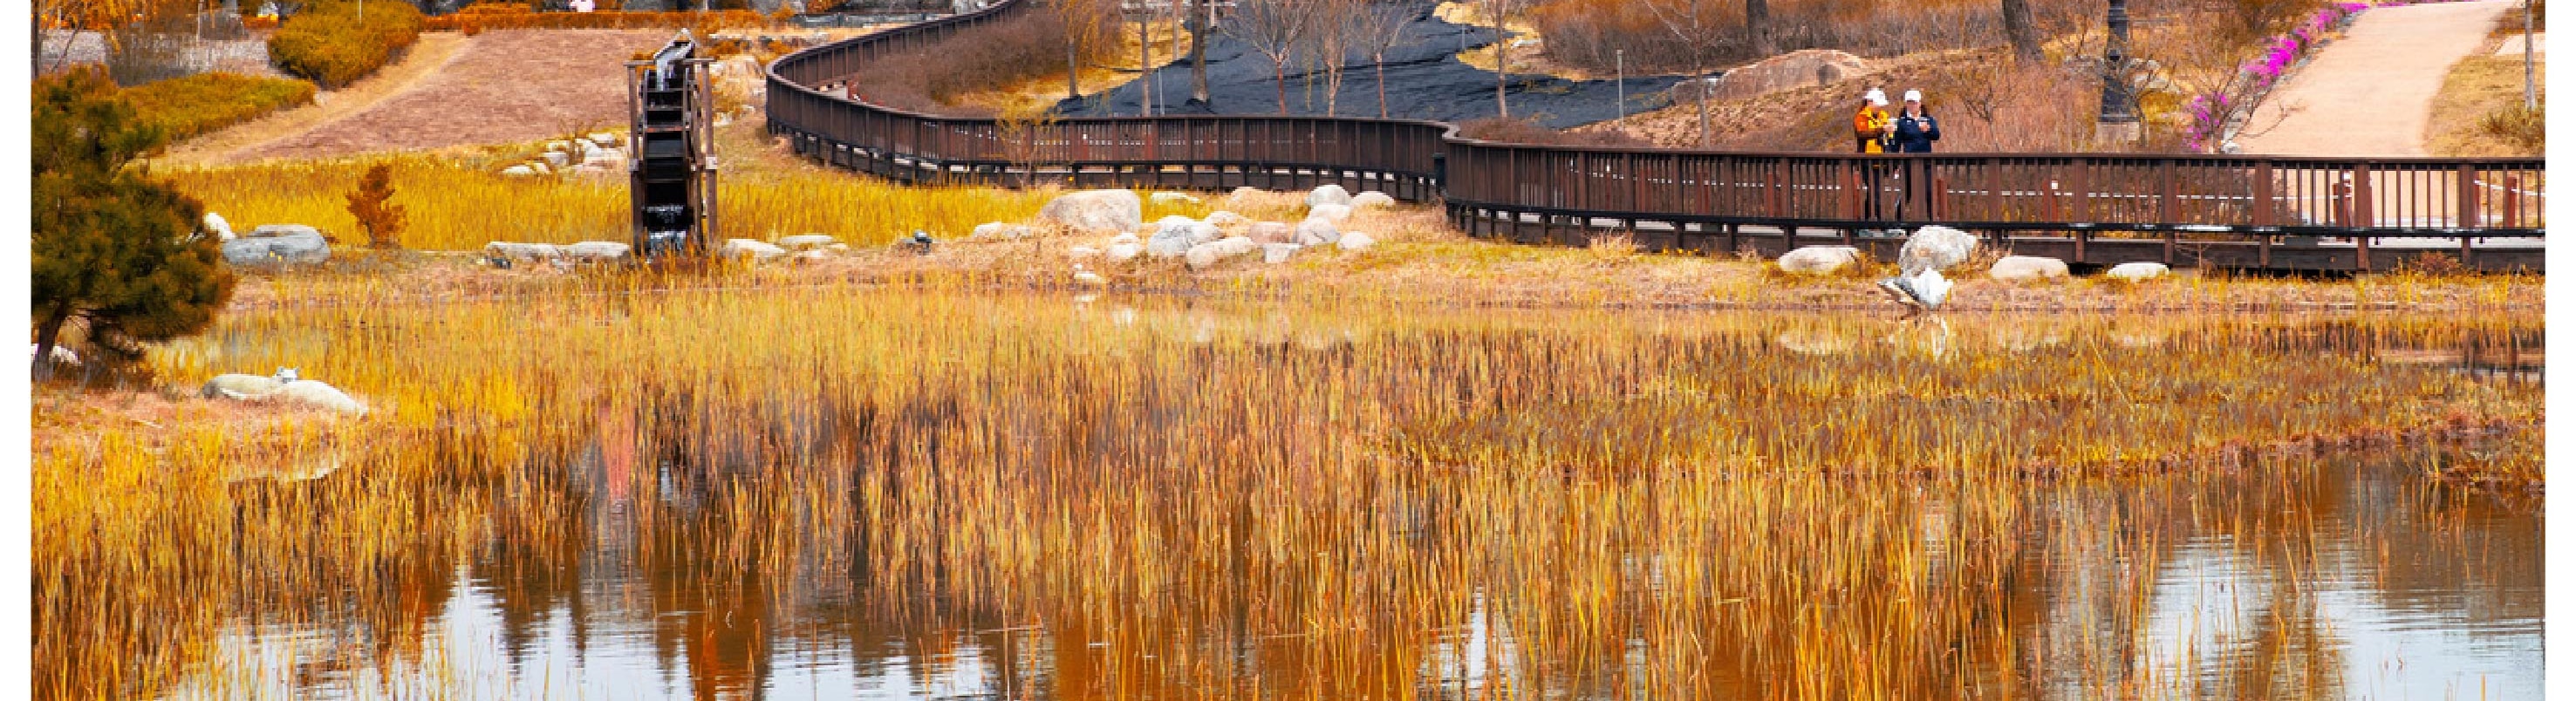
(1686, 191)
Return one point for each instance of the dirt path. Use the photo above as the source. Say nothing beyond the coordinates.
(2371, 93)
(499, 87)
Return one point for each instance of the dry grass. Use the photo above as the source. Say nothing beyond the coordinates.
(2479, 112)
(1174, 482)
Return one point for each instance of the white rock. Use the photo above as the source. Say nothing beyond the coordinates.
(2137, 272)
(1163, 247)
(1081, 252)
(755, 250)
(1272, 232)
(1096, 210)
(215, 224)
(596, 250)
(541, 168)
(807, 242)
(1818, 260)
(1123, 252)
(605, 139)
(557, 159)
(1222, 218)
(255, 388)
(998, 230)
(519, 171)
(1093, 279)
(1196, 231)
(278, 243)
(1172, 198)
(1328, 194)
(1370, 199)
(559, 146)
(1218, 251)
(1317, 232)
(811, 256)
(1245, 191)
(1335, 213)
(1355, 241)
(1276, 253)
(2024, 268)
(1934, 248)
(605, 159)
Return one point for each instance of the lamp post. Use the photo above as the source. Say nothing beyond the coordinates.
(2530, 96)
(2119, 117)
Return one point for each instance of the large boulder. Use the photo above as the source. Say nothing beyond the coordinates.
(1218, 251)
(1328, 194)
(1272, 232)
(2137, 272)
(1096, 210)
(1317, 232)
(2026, 268)
(275, 244)
(1276, 253)
(1169, 245)
(1934, 248)
(1819, 260)
(1196, 231)
(500, 250)
(605, 139)
(597, 250)
(1335, 213)
(755, 250)
(1371, 199)
(1796, 69)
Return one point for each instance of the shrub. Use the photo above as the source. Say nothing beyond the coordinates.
(334, 46)
(1023, 47)
(368, 204)
(2525, 129)
(185, 107)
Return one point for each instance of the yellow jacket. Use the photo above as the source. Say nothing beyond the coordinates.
(1868, 127)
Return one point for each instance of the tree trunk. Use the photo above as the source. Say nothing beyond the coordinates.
(2019, 29)
(1757, 21)
(1072, 68)
(1279, 77)
(1381, 86)
(1144, 67)
(1198, 51)
(48, 332)
(1502, 64)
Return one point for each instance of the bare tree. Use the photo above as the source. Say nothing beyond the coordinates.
(1501, 11)
(1336, 30)
(1081, 25)
(1381, 28)
(1276, 29)
(1198, 25)
(1757, 26)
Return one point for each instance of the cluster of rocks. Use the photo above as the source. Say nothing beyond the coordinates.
(800, 248)
(597, 154)
(507, 253)
(282, 387)
(1199, 243)
(1828, 260)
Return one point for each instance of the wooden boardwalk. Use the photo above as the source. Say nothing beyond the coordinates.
(2245, 212)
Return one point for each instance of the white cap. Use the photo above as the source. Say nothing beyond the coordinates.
(1913, 96)
(1875, 96)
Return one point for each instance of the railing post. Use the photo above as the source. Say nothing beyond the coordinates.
(2364, 210)
(2262, 214)
(2513, 201)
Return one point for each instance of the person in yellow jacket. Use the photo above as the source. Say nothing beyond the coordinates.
(1872, 125)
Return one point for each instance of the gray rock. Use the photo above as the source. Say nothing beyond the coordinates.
(1328, 194)
(1096, 210)
(605, 139)
(1218, 251)
(596, 250)
(1123, 252)
(2137, 272)
(1317, 232)
(1166, 247)
(807, 242)
(1172, 198)
(606, 159)
(755, 250)
(1934, 248)
(215, 224)
(559, 146)
(541, 168)
(1277, 253)
(1335, 213)
(1370, 199)
(1819, 260)
(1196, 231)
(519, 171)
(2024, 268)
(275, 244)
(998, 230)
(1354, 241)
(522, 251)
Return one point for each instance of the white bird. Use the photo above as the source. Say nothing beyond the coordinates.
(1918, 280)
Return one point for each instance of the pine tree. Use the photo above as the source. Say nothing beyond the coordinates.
(121, 254)
(383, 222)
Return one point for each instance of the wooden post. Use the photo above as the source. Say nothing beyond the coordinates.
(2513, 201)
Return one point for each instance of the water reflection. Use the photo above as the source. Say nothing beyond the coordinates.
(698, 545)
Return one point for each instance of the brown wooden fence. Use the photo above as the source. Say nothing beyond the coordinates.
(2232, 211)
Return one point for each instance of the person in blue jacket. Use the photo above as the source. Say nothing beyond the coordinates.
(1915, 127)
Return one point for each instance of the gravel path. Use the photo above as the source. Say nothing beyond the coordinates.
(501, 87)
(1424, 80)
(2371, 93)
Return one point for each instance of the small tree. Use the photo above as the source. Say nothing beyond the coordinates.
(111, 249)
(1502, 12)
(1380, 28)
(382, 220)
(1274, 29)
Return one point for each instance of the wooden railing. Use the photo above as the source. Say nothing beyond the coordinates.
(2249, 211)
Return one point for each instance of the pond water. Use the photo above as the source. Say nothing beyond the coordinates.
(1191, 501)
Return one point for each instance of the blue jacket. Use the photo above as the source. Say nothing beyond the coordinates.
(1916, 134)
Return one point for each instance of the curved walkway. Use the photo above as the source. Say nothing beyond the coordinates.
(2371, 93)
